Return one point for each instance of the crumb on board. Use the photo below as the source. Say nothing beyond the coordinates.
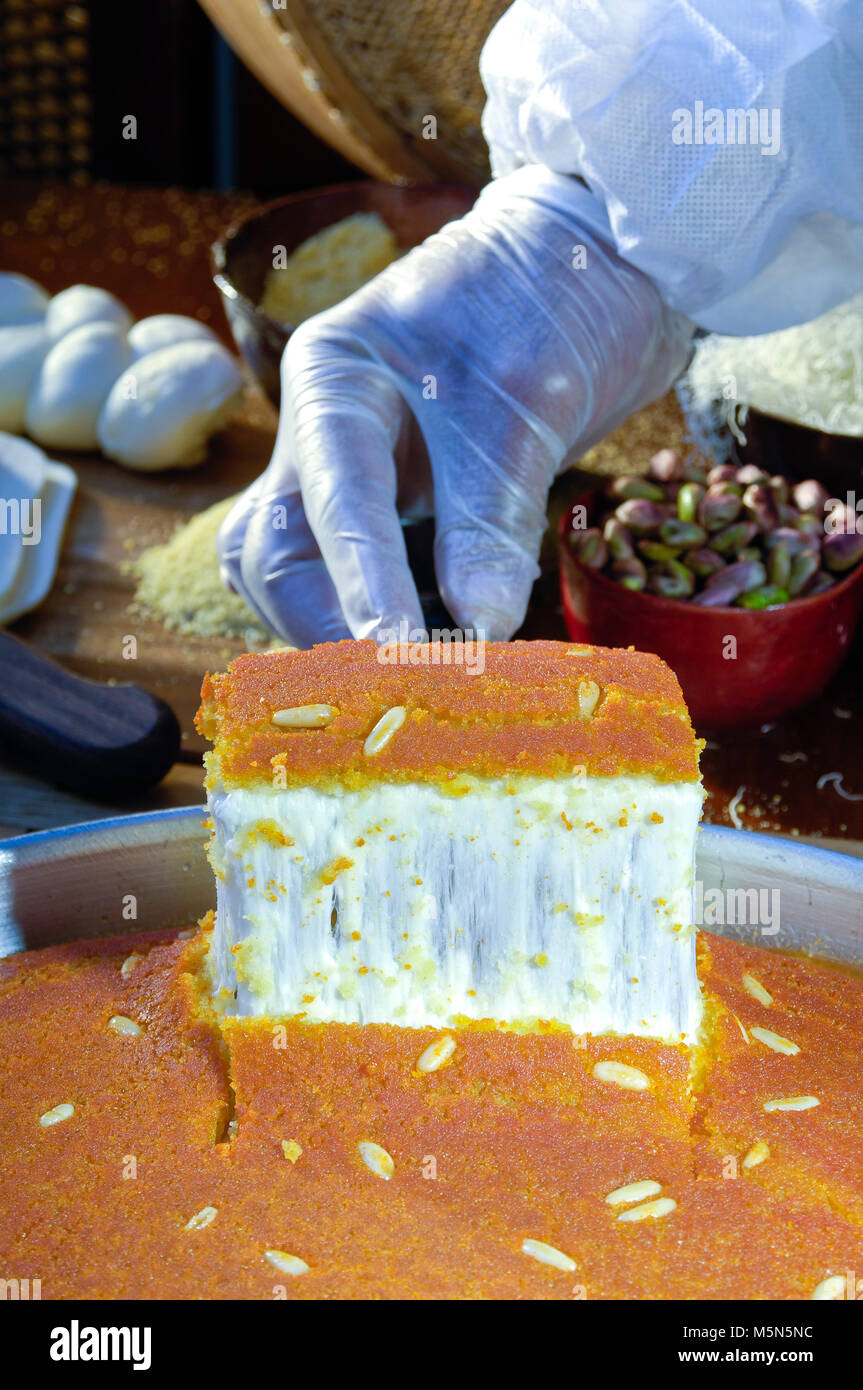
(179, 583)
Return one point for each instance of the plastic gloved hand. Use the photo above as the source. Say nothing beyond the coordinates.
(510, 338)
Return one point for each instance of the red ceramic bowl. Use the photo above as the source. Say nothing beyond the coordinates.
(779, 658)
(242, 257)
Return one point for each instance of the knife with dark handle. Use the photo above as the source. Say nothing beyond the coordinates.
(98, 741)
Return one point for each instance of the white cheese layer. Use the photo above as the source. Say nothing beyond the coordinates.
(518, 900)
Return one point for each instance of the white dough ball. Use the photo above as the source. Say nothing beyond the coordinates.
(21, 299)
(163, 330)
(82, 304)
(22, 349)
(68, 394)
(161, 412)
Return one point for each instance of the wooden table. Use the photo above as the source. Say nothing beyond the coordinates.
(150, 248)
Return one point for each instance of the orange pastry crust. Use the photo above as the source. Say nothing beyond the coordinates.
(255, 1131)
(525, 714)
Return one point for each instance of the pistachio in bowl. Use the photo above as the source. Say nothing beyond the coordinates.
(749, 586)
(719, 537)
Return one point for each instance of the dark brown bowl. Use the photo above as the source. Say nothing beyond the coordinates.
(736, 667)
(243, 255)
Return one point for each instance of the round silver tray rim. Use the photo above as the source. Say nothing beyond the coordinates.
(77, 881)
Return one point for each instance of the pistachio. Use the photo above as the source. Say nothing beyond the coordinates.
(843, 520)
(766, 596)
(761, 504)
(750, 573)
(672, 580)
(734, 538)
(630, 572)
(718, 509)
(788, 537)
(722, 473)
(590, 547)
(810, 527)
(641, 515)
(629, 564)
(779, 488)
(666, 467)
(618, 539)
(627, 487)
(720, 597)
(656, 552)
(779, 565)
(682, 573)
(688, 499)
(820, 584)
(704, 562)
(681, 533)
(841, 551)
(750, 552)
(723, 588)
(804, 568)
(810, 496)
(668, 585)
(750, 473)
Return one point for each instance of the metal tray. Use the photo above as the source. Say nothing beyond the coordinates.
(58, 885)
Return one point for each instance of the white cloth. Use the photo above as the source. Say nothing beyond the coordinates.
(741, 240)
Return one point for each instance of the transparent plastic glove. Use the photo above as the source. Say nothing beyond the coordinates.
(511, 338)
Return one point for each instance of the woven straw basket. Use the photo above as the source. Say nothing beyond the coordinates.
(366, 76)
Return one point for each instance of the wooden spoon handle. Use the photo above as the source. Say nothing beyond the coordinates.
(96, 740)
